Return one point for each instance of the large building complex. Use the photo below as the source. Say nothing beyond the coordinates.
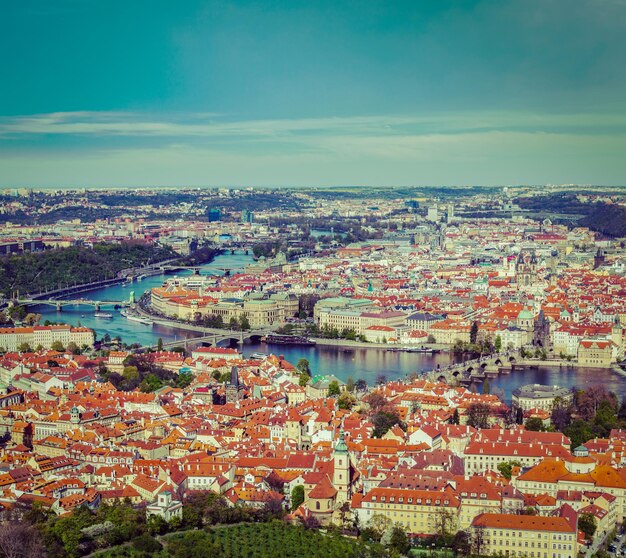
(43, 337)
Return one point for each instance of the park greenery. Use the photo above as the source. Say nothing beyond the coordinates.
(140, 371)
(34, 272)
(210, 526)
(273, 539)
(216, 321)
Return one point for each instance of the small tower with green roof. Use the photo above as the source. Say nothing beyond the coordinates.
(341, 471)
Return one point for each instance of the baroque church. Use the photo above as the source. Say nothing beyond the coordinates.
(328, 490)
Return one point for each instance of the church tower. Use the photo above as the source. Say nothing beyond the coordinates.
(617, 333)
(598, 259)
(526, 270)
(233, 387)
(341, 471)
(74, 415)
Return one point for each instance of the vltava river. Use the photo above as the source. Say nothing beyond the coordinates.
(366, 363)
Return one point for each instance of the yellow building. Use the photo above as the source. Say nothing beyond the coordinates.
(577, 474)
(595, 353)
(417, 511)
(524, 535)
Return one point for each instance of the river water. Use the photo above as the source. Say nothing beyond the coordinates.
(365, 363)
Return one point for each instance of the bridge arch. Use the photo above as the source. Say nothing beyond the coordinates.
(227, 341)
(253, 337)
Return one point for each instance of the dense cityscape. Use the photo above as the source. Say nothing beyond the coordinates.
(313, 279)
(108, 440)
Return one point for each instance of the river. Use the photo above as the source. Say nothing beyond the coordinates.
(365, 363)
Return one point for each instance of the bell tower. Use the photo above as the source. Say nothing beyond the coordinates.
(74, 415)
(341, 471)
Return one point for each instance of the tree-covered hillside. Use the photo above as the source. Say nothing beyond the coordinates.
(39, 271)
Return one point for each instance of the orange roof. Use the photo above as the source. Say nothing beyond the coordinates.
(523, 522)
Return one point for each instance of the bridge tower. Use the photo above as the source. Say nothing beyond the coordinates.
(131, 297)
(97, 305)
(59, 307)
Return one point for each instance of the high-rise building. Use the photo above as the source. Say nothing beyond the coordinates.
(247, 216)
(450, 213)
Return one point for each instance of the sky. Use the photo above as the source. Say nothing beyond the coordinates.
(312, 92)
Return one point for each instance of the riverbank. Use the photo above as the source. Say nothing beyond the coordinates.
(381, 346)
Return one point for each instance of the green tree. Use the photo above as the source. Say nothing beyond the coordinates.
(621, 413)
(244, 323)
(304, 379)
(506, 468)
(455, 417)
(478, 415)
(399, 540)
(462, 543)
(160, 344)
(24, 348)
(303, 366)
(587, 524)
(147, 545)
(297, 496)
(579, 432)
(17, 312)
(350, 385)
(184, 380)
(333, 388)
(130, 373)
(498, 344)
(383, 421)
(73, 348)
(535, 424)
(346, 400)
(57, 346)
(474, 332)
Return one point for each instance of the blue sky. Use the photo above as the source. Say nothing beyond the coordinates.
(312, 92)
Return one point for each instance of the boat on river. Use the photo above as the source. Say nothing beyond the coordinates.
(139, 319)
(276, 339)
(135, 318)
(106, 315)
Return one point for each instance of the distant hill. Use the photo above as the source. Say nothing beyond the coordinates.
(39, 271)
(609, 219)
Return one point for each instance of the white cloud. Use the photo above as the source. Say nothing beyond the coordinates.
(213, 126)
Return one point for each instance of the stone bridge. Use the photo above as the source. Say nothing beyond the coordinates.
(218, 336)
(59, 304)
(476, 370)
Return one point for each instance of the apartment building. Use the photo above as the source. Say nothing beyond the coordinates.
(525, 535)
(417, 511)
(12, 338)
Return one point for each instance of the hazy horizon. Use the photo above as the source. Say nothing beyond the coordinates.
(301, 94)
